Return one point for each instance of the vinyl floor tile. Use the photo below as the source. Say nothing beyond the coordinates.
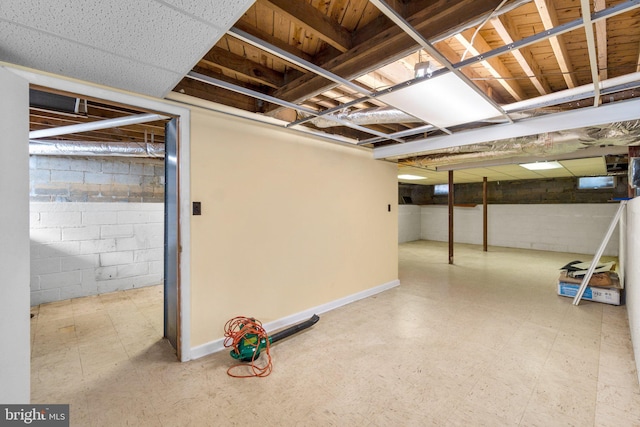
(485, 341)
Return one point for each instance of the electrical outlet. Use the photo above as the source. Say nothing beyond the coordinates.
(197, 208)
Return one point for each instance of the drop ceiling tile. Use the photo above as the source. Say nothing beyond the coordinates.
(554, 173)
(508, 168)
(63, 57)
(591, 161)
(220, 13)
(586, 167)
(442, 101)
(143, 41)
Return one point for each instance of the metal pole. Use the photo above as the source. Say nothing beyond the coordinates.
(450, 217)
(484, 214)
(596, 258)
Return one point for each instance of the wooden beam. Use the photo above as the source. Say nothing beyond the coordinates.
(549, 17)
(601, 41)
(215, 94)
(311, 19)
(450, 200)
(453, 57)
(523, 56)
(387, 46)
(237, 64)
(493, 65)
(218, 75)
(275, 41)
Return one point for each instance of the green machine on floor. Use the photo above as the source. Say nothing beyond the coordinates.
(250, 339)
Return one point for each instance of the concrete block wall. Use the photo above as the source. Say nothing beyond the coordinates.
(96, 179)
(408, 223)
(539, 191)
(576, 228)
(80, 249)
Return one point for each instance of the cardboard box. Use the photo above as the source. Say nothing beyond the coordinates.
(611, 295)
(607, 279)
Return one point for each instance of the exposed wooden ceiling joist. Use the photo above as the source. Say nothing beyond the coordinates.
(310, 18)
(245, 67)
(256, 32)
(329, 55)
(211, 93)
(601, 40)
(476, 45)
(549, 17)
(523, 56)
(482, 83)
(386, 46)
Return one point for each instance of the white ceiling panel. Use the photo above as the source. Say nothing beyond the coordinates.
(220, 13)
(443, 101)
(144, 46)
(509, 172)
(55, 56)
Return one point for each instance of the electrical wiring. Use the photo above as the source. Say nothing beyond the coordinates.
(480, 26)
(250, 332)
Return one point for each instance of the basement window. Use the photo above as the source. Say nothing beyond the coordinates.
(596, 182)
(441, 190)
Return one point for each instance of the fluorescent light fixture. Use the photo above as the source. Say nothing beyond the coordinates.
(442, 101)
(411, 177)
(422, 69)
(539, 166)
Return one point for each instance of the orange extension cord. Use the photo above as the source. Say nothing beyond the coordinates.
(234, 332)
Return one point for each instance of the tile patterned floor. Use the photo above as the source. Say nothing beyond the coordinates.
(486, 342)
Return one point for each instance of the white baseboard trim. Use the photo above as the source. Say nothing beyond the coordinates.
(218, 345)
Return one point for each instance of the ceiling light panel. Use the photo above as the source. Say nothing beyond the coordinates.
(538, 166)
(442, 101)
(406, 177)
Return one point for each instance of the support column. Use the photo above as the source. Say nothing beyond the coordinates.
(450, 217)
(484, 214)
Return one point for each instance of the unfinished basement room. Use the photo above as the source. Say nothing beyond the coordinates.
(320, 213)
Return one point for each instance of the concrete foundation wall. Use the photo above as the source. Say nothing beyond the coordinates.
(408, 223)
(80, 249)
(538, 191)
(95, 179)
(561, 227)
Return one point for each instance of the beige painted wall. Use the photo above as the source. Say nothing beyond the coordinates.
(289, 222)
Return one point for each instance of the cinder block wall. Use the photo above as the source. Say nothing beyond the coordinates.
(74, 179)
(561, 228)
(80, 249)
(539, 191)
(97, 226)
(409, 218)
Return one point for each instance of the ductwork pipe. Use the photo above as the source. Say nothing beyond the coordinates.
(367, 116)
(82, 148)
(567, 95)
(97, 125)
(547, 144)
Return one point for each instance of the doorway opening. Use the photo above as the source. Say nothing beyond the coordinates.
(103, 210)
